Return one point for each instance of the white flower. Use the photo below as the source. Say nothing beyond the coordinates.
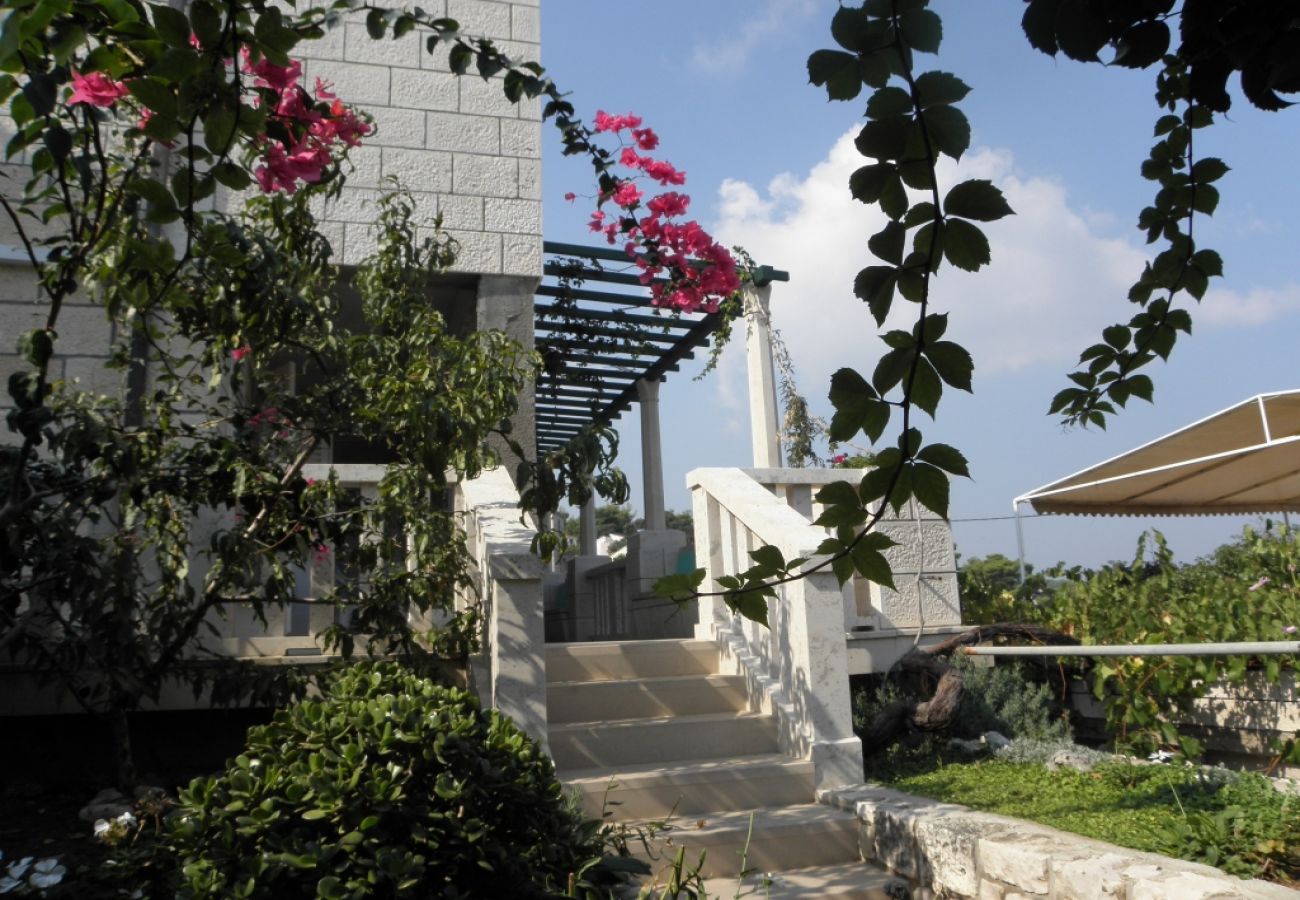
(101, 827)
(47, 873)
(19, 868)
(126, 820)
(8, 884)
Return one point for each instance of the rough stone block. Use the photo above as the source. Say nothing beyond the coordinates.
(360, 85)
(424, 89)
(418, 170)
(367, 166)
(17, 285)
(948, 849)
(521, 254)
(358, 243)
(486, 98)
(92, 376)
(990, 890)
(360, 47)
(484, 176)
(1185, 886)
(481, 18)
(398, 127)
(1016, 859)
(930, 551)
(352, 205)
(1091, 878)
(525, 23)
(461, 213)
(521, 138)
(463, 133)
(479, 252)
(530, 179)
(938, 602)
(512, 216)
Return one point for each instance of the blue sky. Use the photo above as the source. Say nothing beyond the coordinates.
(767, 160)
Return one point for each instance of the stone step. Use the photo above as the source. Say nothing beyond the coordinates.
(621, 660)
(678, 695)
(791, 837)
(694, 787)
(851, 881)
(660, 741)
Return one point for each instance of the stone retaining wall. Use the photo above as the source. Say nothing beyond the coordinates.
(957, 852)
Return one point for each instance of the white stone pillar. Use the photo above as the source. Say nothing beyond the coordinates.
(652, 457)
(587, 527)
(763, 422)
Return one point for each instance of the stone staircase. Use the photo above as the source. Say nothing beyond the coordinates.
(650, 730)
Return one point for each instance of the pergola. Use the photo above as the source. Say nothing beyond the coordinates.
(1243, 459)
(605, 346)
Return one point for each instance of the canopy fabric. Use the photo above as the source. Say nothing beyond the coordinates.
(1245, 459)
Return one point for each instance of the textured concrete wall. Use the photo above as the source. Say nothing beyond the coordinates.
(463, 150)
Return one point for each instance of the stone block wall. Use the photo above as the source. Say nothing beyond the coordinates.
(463, 150)
(951, 851)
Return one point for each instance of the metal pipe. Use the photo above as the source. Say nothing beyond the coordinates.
(1240, 648)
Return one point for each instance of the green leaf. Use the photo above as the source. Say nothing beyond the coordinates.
(855, 404)
(930, 487)
(1081, 30)
(949, 130)
(376, 24)
(850, 28)
(838, 71)
(843, 568)
(1206, 200)
(888, 242)
(871, 564)
(459, 58)
(875, 285)
(869, 181)
(893, 198)
(1209, 262)
(173, 27)
(976, 199)
(952, 362)
(922, 30)
(889, 102)
(891, 369)
(925, 388)
(768, 556)
(884, 139)
(219, 129)
(205, 21)
(950, 459)
(966, 246)
(37, 346)
(679, 588)
(940, 89)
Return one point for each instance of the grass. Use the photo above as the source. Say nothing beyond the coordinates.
(1238, 823)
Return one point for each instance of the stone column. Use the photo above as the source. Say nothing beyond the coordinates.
(505, 303)
(763, 422)
(587, 529)
(652, 458)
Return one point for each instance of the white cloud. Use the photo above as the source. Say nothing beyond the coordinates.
(1234, 309)
(1054, 281)
(734, 47)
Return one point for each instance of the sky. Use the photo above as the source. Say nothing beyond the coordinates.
(767, 158)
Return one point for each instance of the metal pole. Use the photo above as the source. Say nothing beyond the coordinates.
(1020, 539)
(1240, 648)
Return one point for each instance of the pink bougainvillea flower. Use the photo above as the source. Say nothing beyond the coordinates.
(662, 172)
(627, 194)
(1290, 629)
(645, 138)
(320, 553)
(570, 196)
(95, 89)
(605, 122)
(1259, 584)
(670, 203)
(240, 352)
(629, 158)
(597, 221)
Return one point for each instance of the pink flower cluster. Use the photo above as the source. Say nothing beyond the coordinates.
(313, 126)
(684, 266)
(839, 459)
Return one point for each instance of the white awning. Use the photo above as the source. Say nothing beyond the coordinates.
(1245, 459)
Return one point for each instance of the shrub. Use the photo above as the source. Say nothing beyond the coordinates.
(1006, 699)
(389, 786)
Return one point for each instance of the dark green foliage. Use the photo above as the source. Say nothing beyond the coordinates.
(388, 786)
(1008, 699)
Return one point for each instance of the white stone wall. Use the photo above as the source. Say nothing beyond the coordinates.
(462, 149)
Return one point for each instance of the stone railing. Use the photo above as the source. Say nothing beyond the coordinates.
(797, 668)
(509, 673)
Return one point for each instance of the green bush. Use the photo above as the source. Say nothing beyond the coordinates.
(1007, 699)
(388, 786)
